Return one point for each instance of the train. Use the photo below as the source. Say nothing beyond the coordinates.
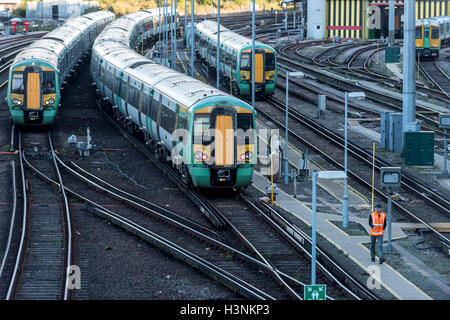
(431, 35)
(236, 59)
(40, 70)
(206, 134)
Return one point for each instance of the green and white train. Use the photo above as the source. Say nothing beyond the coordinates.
(38, 71)
(236, 58)
(184, 120)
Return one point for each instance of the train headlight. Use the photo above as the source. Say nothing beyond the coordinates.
(200, 156)
(50, 101)
(246, 156)
(16, 101)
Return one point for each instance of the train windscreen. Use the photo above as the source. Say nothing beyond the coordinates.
(270, 61)
(17, 85)
(49, 85)
(434, 33)
(245, 61)
(419, 32)
(202, 129)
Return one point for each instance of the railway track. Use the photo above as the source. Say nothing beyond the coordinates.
(39, 267)
(358, 63)
(429, 116)
(436, 76)
(436, 206)
(235, 216)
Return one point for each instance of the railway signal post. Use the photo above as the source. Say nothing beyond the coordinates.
(390, 178)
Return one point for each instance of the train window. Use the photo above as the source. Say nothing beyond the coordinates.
(245, 61)
(133, 96)
(154, 110)
(270, 61)
(434, 33)
(167, 119)
(123, 89)
(48, 84)
(418, 32)
(181, 123)
(17, 83)
(201, 126)
(146, 104)
(234, 63)
(426, 33)
(245, 121)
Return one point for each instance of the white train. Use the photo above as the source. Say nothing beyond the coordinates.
(154, 101)
(40, 70)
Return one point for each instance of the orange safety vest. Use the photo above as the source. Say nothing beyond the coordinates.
(378, 223)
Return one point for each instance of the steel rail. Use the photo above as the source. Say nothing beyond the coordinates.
(20, 252)
(13, 219)
(292, 235)
(67, 218)
(339, 165)
(131, 199)
(100, 208)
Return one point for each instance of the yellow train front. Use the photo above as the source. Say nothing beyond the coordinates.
(431, 35)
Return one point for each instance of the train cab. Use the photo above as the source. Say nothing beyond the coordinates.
(265, 67)
(33, 91)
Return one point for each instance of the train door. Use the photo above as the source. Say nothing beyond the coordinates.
(224, 121)
(426, 36)
(259, 67)
(33, 90)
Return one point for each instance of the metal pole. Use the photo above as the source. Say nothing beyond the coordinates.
(313, 232)
(164, 31)
(192, 38)
(391, 22)
(175, 36)
(389, 217)
(373, 175)
(185, 21)
(286, 148)
(294, 18)
(445, 152)
(409, 76)
(159, 23)
(253, 54)
(172, 29)
(345, 199)
(218, 45)
(167, 31)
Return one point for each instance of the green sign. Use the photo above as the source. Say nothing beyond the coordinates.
(392, 55)
(317, 292)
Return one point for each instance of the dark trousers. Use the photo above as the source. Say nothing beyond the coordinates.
(373, 240)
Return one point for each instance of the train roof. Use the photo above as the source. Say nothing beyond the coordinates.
(39, 53)
(433, 20)
(49, 47)
(228, 38)
(187, 91)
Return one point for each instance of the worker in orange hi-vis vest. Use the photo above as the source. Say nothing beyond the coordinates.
(377, 223)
